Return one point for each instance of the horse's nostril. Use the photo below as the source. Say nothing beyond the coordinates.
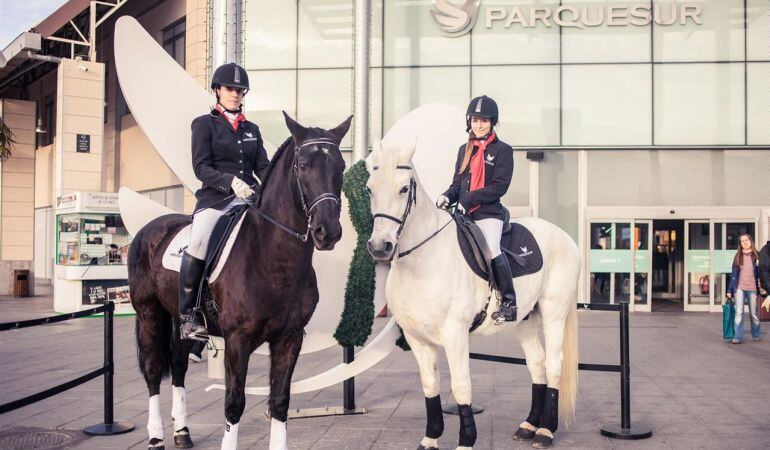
(388, 247)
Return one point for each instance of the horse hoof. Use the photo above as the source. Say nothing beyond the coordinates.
(542, 441)
(523, 435)
(182, 439)
(156, 444)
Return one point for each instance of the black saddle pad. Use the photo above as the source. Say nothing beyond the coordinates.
(517, 243)
(219, 236)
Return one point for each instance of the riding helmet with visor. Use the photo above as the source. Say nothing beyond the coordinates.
(483, 107)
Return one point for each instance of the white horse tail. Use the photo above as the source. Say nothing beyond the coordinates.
(569, 369)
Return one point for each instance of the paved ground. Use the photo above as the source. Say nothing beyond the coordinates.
(694, 389)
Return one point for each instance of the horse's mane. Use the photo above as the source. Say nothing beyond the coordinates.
(273, 162)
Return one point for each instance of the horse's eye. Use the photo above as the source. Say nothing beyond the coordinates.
(302, 166)
(404, 190)
(368, 191)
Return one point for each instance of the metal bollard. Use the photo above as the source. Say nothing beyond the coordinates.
(626, 430)
(109, 427)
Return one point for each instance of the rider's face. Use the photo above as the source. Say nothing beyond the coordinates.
(480, 126)
(230, 97)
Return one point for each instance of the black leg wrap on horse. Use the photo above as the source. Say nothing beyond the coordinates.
(435, 427)
(550, 417)
(467, 426)
(538, 404)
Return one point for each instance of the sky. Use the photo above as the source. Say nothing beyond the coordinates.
(17, 16)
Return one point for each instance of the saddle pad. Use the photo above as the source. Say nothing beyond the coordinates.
(518, 244)
(172, 257)
(522, 250)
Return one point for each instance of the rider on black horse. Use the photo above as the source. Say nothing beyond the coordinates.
(227, 153)
(482, 176)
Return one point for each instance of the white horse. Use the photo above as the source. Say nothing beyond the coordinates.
(434, 297)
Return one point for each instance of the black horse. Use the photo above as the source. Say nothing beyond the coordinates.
(266, 290)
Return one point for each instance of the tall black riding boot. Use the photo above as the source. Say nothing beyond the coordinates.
(504, 281)
(190, 275)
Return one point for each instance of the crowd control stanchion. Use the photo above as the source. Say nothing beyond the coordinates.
(625, 430)
(108, 428)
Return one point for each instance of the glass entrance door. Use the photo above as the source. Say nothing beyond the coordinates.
(642, 298)
(697, 265)
(620, 263)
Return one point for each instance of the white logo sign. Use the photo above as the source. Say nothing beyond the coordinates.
(458, 20)
(455, 20)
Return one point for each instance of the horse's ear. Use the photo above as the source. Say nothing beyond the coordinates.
(370, 160)
(298, 132)
(341, 130)
(409, 150)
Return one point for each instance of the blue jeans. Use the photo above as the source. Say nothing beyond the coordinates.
(740, 300)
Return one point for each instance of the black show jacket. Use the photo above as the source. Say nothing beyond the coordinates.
(498, 171)
(220, 153)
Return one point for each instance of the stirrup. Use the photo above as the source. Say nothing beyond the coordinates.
(500, 318)
(187, 330)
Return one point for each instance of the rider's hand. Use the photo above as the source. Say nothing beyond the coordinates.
(442, 202)
(461, 209)
(241, 189)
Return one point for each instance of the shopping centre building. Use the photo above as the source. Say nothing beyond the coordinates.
(641, 128)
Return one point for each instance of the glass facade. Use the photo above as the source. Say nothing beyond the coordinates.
(613, 81)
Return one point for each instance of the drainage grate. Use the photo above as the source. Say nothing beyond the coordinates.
(18, 438)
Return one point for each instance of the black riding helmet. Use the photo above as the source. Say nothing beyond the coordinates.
(231, 75)
(483, 107)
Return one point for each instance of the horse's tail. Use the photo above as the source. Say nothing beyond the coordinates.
(162, 346)
(569, 369)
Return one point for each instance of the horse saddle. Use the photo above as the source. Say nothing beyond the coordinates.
(517, 243)
(219, 246)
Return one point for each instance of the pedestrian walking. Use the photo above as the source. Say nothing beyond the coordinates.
(744, 286)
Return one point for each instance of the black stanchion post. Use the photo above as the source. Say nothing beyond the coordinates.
(108, 428)
(625, 431)
(349, 385)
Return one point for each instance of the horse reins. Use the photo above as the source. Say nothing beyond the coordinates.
(411, 199)
(308, 210)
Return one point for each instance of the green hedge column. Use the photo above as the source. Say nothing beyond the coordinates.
(356, 323)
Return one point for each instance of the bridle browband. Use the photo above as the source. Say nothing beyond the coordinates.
(411, 199)
(308, 210)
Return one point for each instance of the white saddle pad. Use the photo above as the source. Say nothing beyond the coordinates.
(172, 256)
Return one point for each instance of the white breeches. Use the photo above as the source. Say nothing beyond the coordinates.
(204, 222)
(493, 232)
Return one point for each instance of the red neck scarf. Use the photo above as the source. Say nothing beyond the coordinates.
(234, 121)
(477, 165)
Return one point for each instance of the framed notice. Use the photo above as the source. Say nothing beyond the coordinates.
(83, 143)
(96, 292)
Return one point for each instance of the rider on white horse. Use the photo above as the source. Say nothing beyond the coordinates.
(482, 176)
(226, 152)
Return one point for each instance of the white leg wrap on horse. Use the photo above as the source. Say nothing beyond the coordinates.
(277, 435)
(179, 408)
(429, 443)
(154, 418)
(230, 441)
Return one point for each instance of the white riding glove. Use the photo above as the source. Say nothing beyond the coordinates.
(241, 189)
(442, 202)
(461, 208)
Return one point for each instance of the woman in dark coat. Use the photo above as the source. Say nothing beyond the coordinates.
(228, 156)
(482, 175)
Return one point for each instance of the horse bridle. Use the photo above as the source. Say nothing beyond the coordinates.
(308, 210)
(411, 200)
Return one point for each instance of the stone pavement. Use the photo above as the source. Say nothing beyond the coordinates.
(693, 388)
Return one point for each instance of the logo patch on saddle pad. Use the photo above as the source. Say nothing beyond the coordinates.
(525, 252)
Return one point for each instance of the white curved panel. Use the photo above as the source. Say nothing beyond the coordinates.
(374, 352)
(136, 210)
